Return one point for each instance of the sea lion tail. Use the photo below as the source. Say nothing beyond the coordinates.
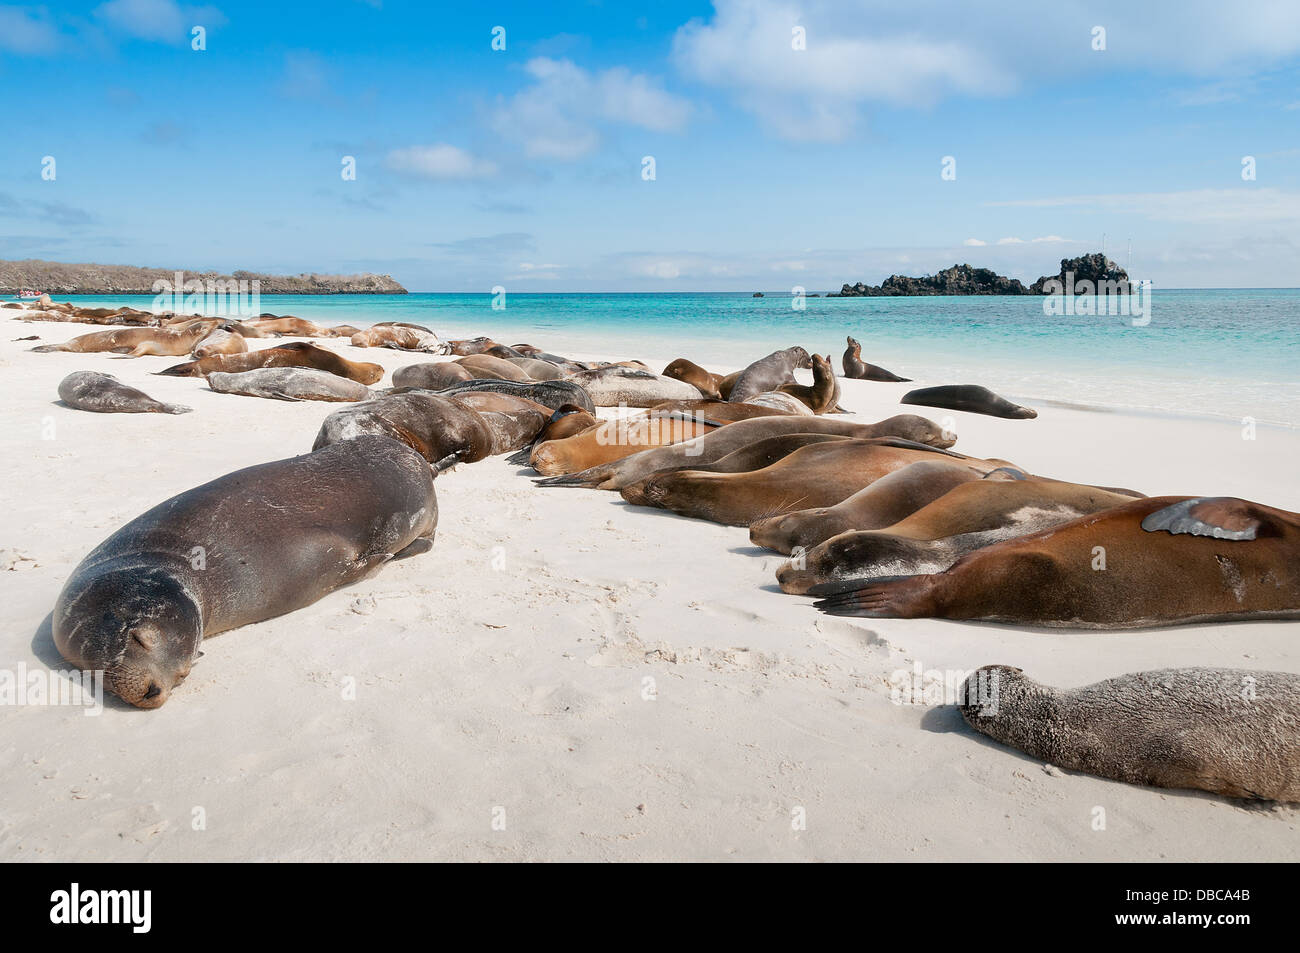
(520, 458)
(446, 463)
(870, 598)
(47, 348)
(176, 409)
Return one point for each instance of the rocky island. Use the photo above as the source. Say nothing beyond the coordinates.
(1082, 275)
(59, 278)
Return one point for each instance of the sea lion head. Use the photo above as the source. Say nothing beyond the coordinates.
(920, 429)
(568, 420)
(853, 343)
(999, 701)
(801, 357)
(139, 626)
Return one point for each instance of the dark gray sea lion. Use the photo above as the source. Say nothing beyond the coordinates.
(105, 394)
(432, 376)
(467, 346)
(968, 397)
(293, 354)
(1227, 731)
(552, 394)
(1152, 562)
(434, 425)
(288, 383)
(822, 474)
(859, 370)
(883, 503)
(615, 385)
(248, 546)
(769, 373)
(929, 540)
(716, 409)
(714, 446)
(703, 381)
(539, 355)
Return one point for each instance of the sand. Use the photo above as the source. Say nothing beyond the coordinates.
(566, 677)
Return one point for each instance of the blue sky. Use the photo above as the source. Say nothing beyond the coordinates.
(774, 166)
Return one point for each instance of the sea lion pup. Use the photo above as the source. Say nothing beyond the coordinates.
(288, 383)
(714, 446)
(537, 370)
(717, 409)
(1227, 731)
(293, 354)
(435, 426)
(769, 373)
(137, 342)
(564, 422)
(273, 538)
(468, 346)
(859, 370)
(703, 381)
(968, 397)
(552, 394)
(105, 394)
(403, 337)
(487, 367)
(823, 397)
(220, 341)
(1168, 560)
(432, 376)
(822, 474)
(967, 518)
(615, 385)
(614, 439)
(288, 325)
(883, 503)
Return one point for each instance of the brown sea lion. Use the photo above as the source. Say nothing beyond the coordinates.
(435, 426)
(343, 330)
(288, 325)
(727, 383)
(432, 376)
(468, 346)
(823, 397)
(716, 409)
(936, 535)
(137, 342)
(1159, 561)
(248, 546)
(1227, 731)
(859, 370)
(819, 475)
(504, 352)
(968, 397)
(703, 381)
(614, 439)
(288, 383)
(485, 366)
(769, 373)
(293, 354)
(564, 422)
(883, 503)
(220, 341)
(537, 370)
(712, 447)
(402, 337)
(105, 394)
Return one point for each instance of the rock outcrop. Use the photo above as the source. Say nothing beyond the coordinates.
(1080, 275)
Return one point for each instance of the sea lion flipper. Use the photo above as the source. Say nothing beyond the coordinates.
(1220, 517)
(421, 545)
(885, 597)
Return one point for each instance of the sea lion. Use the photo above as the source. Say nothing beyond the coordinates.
(343, 330)
(504, 353)
(552, 394)
(105, 394)
(859, 370)
(248, 546)
(487, 367)
(564, 422)
(432, 376)
(220, 341)
(929, 540)
(823, 397)
(465, 347)
(769, 373)
(1159, 561)
(968, 397)
(822, 474)
(781, 402)
(764, 453)
(1227, 731)
(137, 342)
(614, 439)
(293, 354)
(435, 426)
(716, 409)
(537, 370)
(714, 446)
(703, 381)
(403, 337)
(538, 354)
(883, 503)
(727, 383)
(617, 385)
(288, 383)
(288, 325)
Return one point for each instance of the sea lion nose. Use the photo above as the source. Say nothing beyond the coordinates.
(153, 692)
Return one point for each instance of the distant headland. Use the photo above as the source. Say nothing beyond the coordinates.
(59, 278)
(1082, 275)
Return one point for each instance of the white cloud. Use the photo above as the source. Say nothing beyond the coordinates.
(441, 162)
(1050, 238)
(163, 21)
(1011, 241)
(27, 30)
(1246, 205)
(974, 243)
(556, 117)
(860, 52)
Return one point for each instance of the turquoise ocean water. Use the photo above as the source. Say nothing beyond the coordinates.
(1230, 353)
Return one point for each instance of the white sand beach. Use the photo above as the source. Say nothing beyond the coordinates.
(566, 677)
